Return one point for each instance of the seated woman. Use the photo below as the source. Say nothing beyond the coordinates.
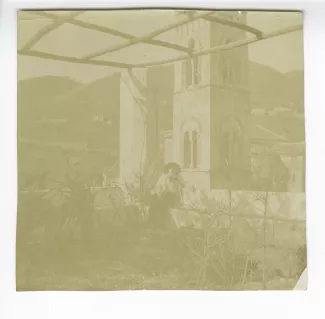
(166, 195)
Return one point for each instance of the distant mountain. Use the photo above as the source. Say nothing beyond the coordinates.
(58, 110)
(295, 87)
(98, 98)
(270, 88)
(51, 96)
(35, 96)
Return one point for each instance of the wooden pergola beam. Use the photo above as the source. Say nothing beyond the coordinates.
(168, 45)
(87, 25)
(49, 28)
(148, 36)
(62, 58)
(114, 32)
(130, 37)
(228, 46)
(145, 39)
(225, 47)
(235, 24)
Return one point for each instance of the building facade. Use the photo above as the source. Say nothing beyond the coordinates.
(211, 106)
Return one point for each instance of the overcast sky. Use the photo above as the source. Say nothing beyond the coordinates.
(283, 53)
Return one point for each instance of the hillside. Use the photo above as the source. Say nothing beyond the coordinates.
(57, 97)
(51, 97)
(270, 88)
(35, 95)
(61, 113)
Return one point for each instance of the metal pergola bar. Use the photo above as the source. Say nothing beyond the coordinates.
(148, 38)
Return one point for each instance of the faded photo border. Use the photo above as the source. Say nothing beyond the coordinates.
(161, 304)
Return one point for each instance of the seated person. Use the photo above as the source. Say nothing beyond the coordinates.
(167, 194)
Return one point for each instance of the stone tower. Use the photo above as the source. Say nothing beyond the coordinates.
(211, 106)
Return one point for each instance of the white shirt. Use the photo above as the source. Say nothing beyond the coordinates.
(166, 184)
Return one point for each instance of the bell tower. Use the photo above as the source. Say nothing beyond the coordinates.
(230, 106)
(211, 104)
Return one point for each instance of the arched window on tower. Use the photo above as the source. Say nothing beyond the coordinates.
(194, 149)
(192, 67)
(187, 150)
(191, 145)
(225, 67)
(232, 141)
(189, 73)
(226, 148)
(196, 70)
(224, 70)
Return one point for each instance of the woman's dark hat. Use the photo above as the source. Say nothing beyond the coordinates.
(172, 165)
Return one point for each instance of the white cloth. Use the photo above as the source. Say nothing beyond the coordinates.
(167, 184)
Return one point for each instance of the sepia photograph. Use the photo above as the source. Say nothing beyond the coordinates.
(160, 149)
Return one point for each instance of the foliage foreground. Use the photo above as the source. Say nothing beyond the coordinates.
(135, 256)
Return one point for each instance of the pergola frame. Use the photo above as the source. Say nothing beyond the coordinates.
(58, 21)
